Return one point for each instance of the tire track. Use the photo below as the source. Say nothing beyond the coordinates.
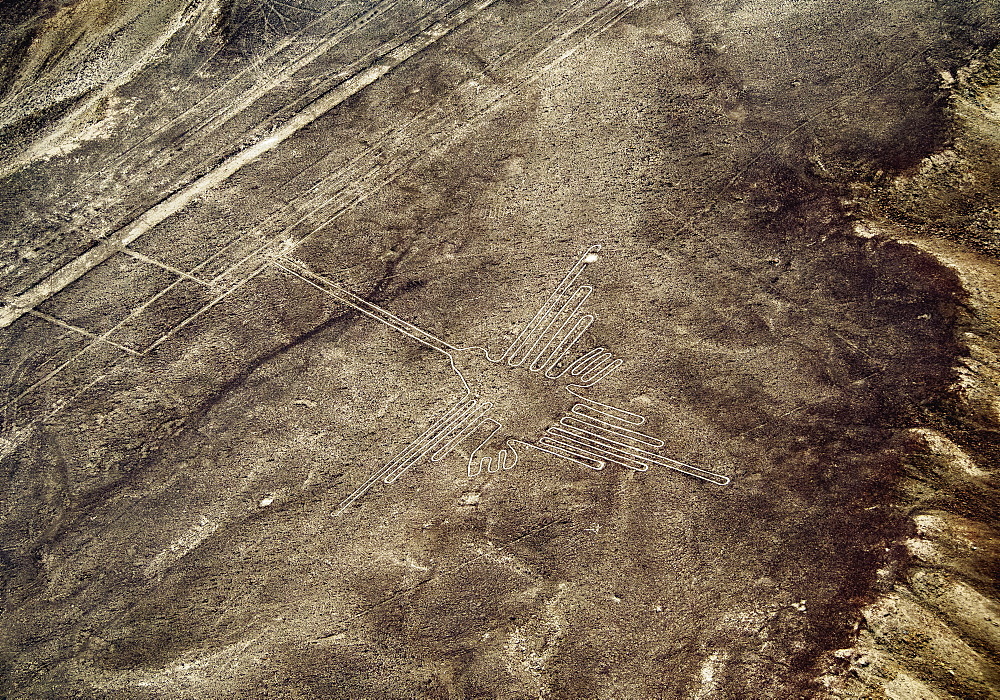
(202, 161)
(382, 137)
(68, 123)
(361, 185)
(345, 198)
(244, 97)
(17, 306)
(337, 193)
(287, 112)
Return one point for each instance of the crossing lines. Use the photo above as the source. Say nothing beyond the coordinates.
(345, 187)
(549, 347)
(16, 306)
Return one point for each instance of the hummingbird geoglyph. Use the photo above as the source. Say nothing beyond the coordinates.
(499, 415)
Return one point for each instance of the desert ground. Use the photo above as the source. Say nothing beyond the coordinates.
(626, 350)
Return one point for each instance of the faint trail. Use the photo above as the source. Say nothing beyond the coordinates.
(76, 329)
(19, 305)
(200, 132)
(690, 223)
(596, 22)
(84, 263)
(100, 340)
(356, 186)
(436, 111)
(8, 430)
(103, 338)
(344, 188)
(363, 306)
(351, 193)
(243, 99)
(68, 123)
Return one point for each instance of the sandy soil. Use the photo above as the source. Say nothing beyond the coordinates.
(795, 207)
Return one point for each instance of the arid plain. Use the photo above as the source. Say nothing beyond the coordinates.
(628, 350)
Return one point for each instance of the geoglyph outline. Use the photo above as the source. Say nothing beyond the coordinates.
(591, 434)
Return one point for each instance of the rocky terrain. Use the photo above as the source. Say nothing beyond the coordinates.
(256, 256)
